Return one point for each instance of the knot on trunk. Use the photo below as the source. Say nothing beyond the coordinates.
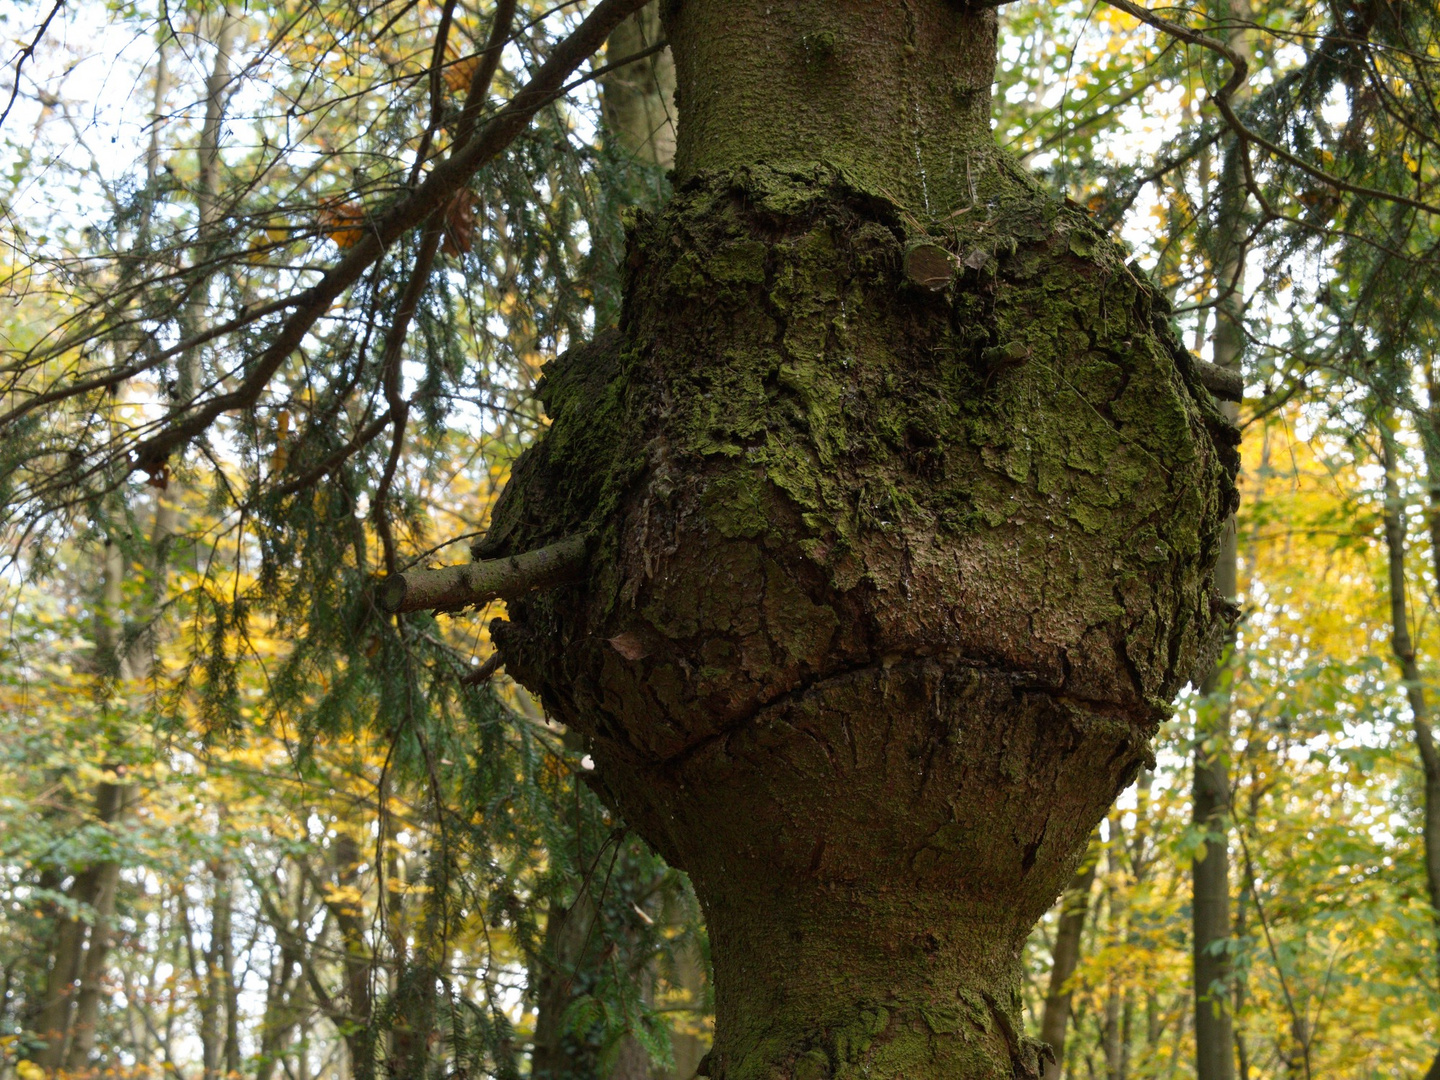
(889, 582)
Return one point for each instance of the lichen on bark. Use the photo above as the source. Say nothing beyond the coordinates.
(893, 576)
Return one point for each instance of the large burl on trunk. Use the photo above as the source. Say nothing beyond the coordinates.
(903, 503)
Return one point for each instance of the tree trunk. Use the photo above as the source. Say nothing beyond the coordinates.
(1210, 906)
(209, 212)
(70, 1006)
(110, 799)
(1403, 649)
(1210, 797)
(557, 1054)
(87, 1001)
(1117, 998)
(1066, 956)
(281, 1014)
(1110, 1035)
(1430, 420)
(359, 960)
(904, 504)
(637, 100)
(52, 1022)
(219, 1031)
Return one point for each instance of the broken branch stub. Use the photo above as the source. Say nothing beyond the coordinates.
(1226, 384)
(452, 588)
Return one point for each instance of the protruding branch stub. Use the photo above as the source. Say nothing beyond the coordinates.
(453, 588)
(1227, 384)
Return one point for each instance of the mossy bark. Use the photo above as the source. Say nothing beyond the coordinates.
(894, 571)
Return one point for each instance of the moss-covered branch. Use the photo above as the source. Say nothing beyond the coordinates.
(451, 588)
(1227, 384)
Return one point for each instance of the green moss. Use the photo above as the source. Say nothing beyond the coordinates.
(739, 263)
(799, 470)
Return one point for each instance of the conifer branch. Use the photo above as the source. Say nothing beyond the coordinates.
(433, 192)
(1240, 70)
(452, 588)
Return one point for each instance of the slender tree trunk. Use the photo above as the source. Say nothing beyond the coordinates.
(280, 1015)
(87, 1001)
(865, 646)
(219, 1030)
(1127, 1031)
(1210, 910)
(1403, 649)
(1066, 956)
(70, 1007)
(359, 962)
(1210, 797)
(1110, 1035)
(1117, 999)
(111, 800)
(556, 1053)
(209, 213)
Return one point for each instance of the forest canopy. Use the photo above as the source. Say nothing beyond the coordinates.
(288, 285)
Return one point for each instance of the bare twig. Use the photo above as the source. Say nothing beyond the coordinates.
(453, 588)
(25, 54)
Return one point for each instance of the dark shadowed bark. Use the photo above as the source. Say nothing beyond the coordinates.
(903, 504)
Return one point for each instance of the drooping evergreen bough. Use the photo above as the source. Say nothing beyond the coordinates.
(902, 502)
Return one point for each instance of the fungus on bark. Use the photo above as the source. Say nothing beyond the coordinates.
(902, 500)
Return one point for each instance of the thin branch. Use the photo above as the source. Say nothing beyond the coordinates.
(453, 588)
(362, 438)
(437, 91)
(1247, 135)
(486, 69)
(25, 54)
(434, 192)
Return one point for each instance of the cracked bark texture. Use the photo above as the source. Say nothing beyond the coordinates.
(892, 579)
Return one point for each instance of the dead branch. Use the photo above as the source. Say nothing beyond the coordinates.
(1224, 383)
(452, 588)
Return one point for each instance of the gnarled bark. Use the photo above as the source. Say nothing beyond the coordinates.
(890, 581)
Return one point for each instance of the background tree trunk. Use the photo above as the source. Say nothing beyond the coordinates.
(1065, 957)
(1403, 648)
(557, 1055)
(359, 961)
(637, 101)
(111, 800)
(1210, 796)
(70, 1007)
